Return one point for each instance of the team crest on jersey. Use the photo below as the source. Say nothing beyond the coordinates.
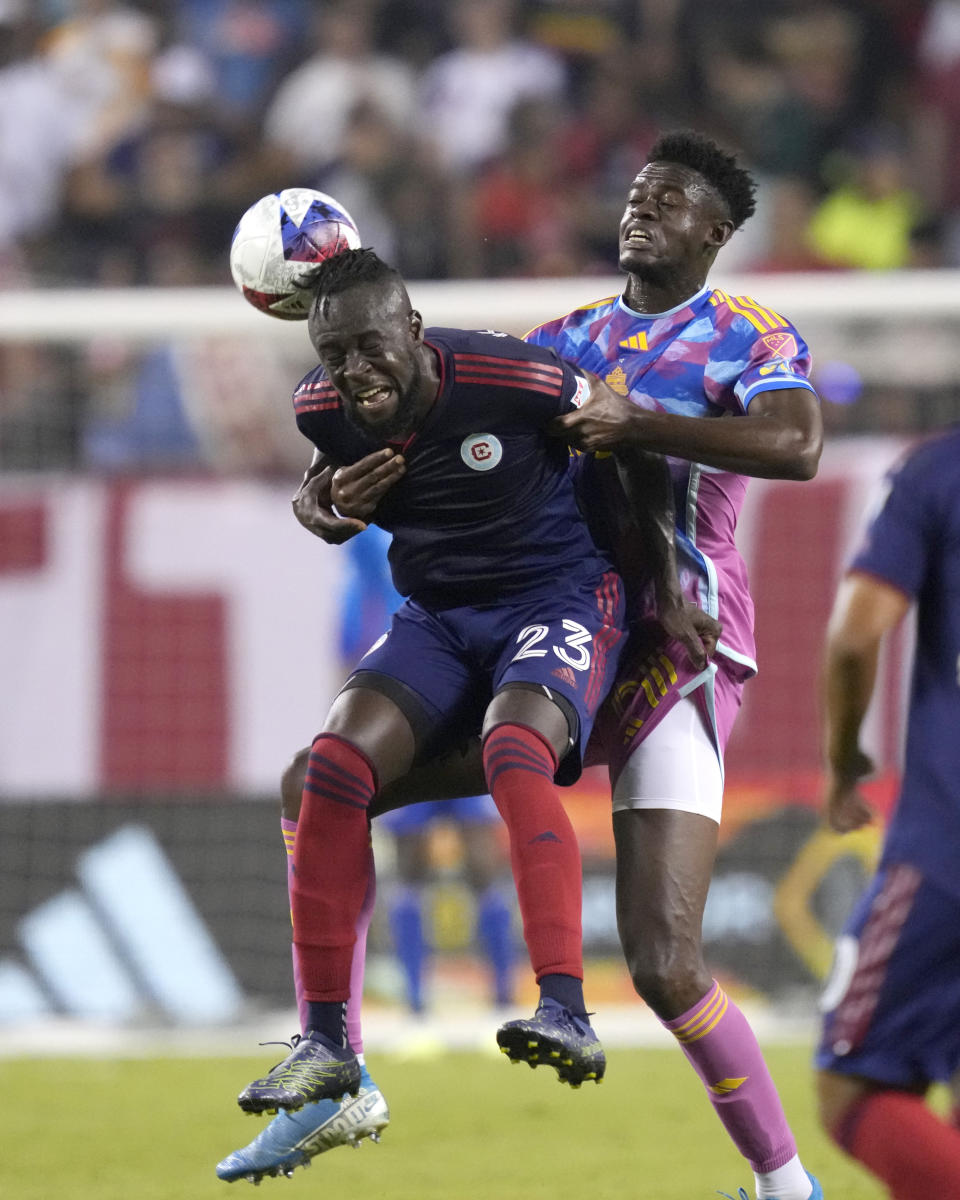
(783, 344)
(617, 379)
(481, 451)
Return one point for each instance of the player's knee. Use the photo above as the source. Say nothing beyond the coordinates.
(291, 785)
(670, 978)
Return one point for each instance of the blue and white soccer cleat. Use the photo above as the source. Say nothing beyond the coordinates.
(816, 1194)
(555, 1037)
(292, 1139)
(315, 1069)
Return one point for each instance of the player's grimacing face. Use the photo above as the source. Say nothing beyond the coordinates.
(367, 341)
(670, 220)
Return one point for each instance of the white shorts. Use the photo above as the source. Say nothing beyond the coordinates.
(676, 766)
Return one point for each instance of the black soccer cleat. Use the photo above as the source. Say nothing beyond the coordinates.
(555, 1037)
(315, 1069)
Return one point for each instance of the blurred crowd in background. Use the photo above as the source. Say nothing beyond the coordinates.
(468, 138)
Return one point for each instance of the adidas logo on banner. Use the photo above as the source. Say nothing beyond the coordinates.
(125, 944)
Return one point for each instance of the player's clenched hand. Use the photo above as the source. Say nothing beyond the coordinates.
(313, 508)
(696, 630)
(358, 489)
(845, 805)
(602, 422)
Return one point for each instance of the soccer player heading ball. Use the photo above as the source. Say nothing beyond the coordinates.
(676, 355)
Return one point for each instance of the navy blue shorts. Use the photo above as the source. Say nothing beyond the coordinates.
(447, 666)
(465, 810)
(892, 1002)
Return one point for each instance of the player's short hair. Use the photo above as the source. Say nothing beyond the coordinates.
(346, 270)
(721, 170)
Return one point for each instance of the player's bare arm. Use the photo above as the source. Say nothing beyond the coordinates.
(780, 436)
(313, 504)
(865, 610)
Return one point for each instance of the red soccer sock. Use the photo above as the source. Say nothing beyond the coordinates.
(519, 765)
(330, 866)
(897, 1137)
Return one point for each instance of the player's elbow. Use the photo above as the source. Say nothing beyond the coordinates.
(804, 460)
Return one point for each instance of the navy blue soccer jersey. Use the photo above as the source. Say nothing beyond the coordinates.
(486, 512)
(913, 544)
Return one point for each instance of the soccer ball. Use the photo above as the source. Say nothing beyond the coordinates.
(280, 241)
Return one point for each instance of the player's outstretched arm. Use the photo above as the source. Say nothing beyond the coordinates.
(865, 610)
(780, 436)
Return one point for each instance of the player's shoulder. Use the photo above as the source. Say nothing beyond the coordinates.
(486, 347)
(746, 316)
(933, 459)
(315, 394)
(577, 318)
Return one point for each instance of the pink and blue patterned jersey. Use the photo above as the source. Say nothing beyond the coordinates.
(708, 357)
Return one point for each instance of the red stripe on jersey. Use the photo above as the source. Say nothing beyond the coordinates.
(529, 385)
(304, 407)
(508, 362)
(498, 366)
(606, 637)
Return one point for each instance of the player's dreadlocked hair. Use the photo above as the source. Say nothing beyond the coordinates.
(346, 269)
(720, 169)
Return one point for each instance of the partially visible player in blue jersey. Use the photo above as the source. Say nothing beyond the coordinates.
(892, 1004)
(514, 623)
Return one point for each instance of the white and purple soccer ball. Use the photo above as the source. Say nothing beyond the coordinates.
(280, 242)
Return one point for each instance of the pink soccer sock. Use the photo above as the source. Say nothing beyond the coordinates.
(721, 1046)
(359, 960)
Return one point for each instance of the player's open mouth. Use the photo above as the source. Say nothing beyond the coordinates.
(373, 397)
(638, 237)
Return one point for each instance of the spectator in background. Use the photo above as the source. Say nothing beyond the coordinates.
(935, 134)
(249, 45)
(103, 52)
(393, 193)
(39, 134)
(866, 220)
(785, 207)
(469, 92)
(169, 183)
(598, 147)
(588, 36)
(306, 121)
(517, 219)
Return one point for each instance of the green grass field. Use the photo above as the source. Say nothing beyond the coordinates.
(464, 1127)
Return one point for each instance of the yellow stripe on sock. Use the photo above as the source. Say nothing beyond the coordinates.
(707, 1019)
(725, 1086)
